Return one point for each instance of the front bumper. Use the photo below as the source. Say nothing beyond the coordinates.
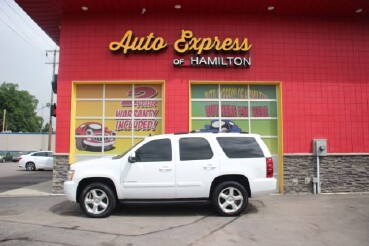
(21, 164)
(98, 144)
(70, 190)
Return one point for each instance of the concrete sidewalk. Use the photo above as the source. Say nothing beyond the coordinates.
(41, 189)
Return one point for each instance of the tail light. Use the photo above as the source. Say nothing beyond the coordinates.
(269, 167)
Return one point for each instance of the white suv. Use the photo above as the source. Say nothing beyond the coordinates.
(224, 168)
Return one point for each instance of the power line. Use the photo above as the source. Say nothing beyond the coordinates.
(36, 49)
(27, 23)
(26, 35)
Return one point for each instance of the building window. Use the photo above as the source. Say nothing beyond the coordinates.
(236, 108)
(111, 118)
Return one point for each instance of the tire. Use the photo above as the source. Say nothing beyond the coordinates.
(107, 148)
(80, 145)
(3, 160)
(97, 200)
(229, 198)
(30, 166)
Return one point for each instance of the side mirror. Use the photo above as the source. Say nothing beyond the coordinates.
(132, 158)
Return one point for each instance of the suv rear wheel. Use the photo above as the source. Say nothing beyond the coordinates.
(97, 200)
(230, 198)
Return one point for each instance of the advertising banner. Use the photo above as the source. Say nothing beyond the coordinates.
(118, 116)
(236, 108)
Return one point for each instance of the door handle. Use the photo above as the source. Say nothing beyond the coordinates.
(209, 167)
(165, 169)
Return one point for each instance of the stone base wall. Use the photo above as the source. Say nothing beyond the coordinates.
(61, 165)
(338, 173)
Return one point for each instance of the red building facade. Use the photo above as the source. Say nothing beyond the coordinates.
(316, 65)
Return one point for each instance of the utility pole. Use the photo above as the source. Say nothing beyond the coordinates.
(4, 119)
(52, 97)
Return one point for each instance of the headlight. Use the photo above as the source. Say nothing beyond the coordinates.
(70, 175)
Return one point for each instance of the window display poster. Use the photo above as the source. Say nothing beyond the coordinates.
(111, 118)
(236, 108)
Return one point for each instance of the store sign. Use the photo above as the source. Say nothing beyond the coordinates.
(131, 43)
(188, 43)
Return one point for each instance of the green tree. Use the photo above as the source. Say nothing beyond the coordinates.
(46, 128)
(20, 109)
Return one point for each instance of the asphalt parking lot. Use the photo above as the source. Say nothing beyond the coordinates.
(12, 177)
(338, 219)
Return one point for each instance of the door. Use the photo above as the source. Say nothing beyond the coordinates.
(197, 167)
(152, 176)
(50, 161)
(40, 159)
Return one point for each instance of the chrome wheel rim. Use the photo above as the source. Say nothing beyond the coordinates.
(230, 200)
(96, 201)
(30, 167)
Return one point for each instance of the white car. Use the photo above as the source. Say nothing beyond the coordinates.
(222, 168)
(37, 160)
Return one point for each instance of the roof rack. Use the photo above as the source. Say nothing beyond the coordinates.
(195, 131)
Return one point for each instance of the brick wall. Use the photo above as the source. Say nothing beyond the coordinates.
(61, 165)
(322, 63)
(338, 173)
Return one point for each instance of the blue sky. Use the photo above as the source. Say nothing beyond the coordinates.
(23, 47)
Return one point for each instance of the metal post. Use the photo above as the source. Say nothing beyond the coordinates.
(4, 119)
(51, 101)
(318, 174)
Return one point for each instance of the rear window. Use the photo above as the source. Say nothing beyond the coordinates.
(239, 147)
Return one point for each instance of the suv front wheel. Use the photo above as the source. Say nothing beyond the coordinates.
(97, 200)
(230, 198)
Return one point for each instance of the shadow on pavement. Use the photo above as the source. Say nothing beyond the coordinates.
(67, 208)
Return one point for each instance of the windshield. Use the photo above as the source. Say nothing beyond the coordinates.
(125, 152)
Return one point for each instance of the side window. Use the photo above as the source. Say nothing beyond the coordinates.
(240, 147)
(194, 149)
(155, 150)
(42, 154)
(50, 154)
